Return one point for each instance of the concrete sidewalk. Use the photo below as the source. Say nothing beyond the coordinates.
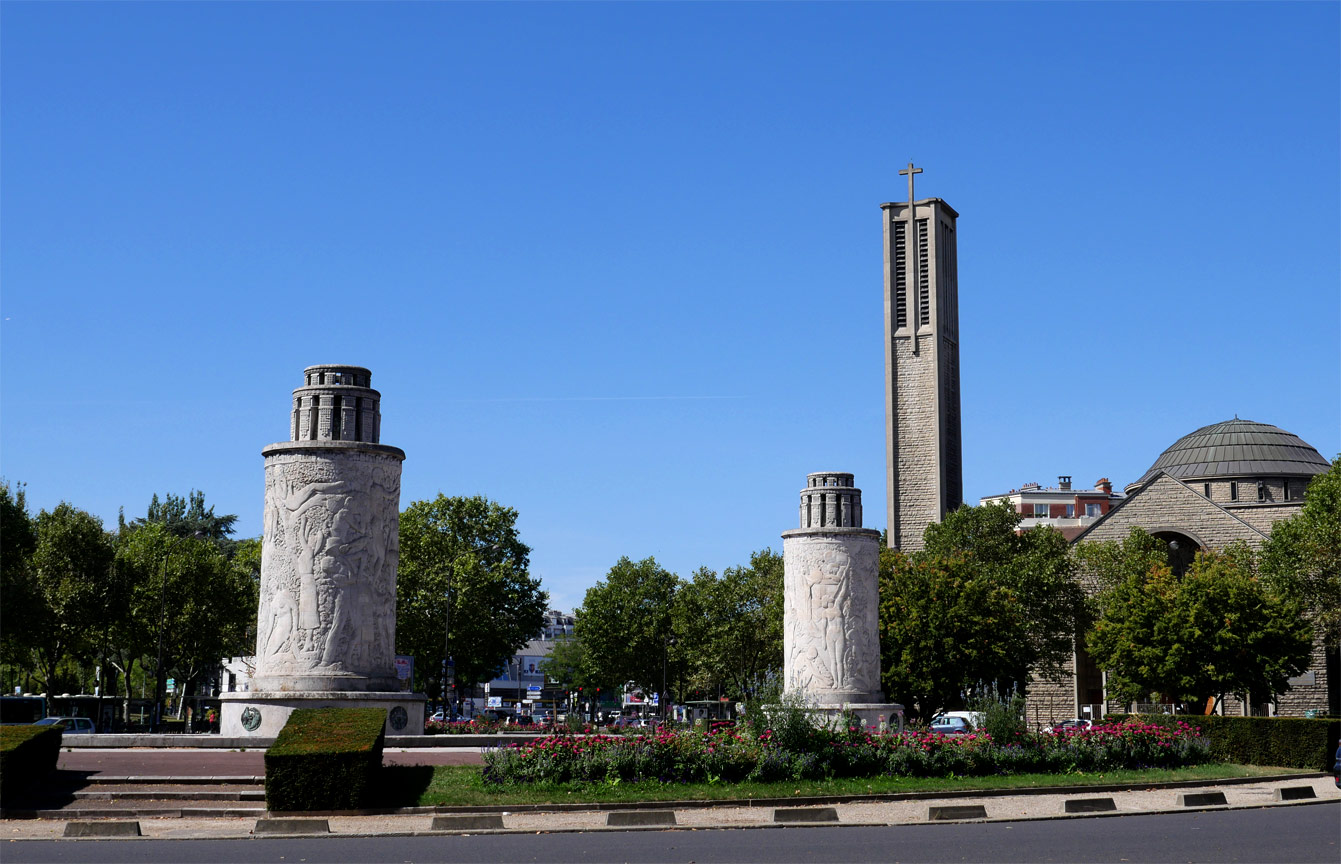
(1007, 806)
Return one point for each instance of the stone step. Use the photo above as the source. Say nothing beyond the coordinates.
(201, 793)
(143, 812)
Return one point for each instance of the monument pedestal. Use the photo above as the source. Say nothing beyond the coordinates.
(259, 714)
(873, 715)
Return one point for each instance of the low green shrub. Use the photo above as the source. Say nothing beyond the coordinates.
(1003, 719)
(1285, 742)
(811, 752)
(27, 754)
(325, 759)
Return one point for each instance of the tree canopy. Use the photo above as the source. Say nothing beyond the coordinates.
(975, 609)
(1302, 557)
(728, 628)
(624, 622)
(1217, 629)
(75, 587)
(464, 556)
(944, 631)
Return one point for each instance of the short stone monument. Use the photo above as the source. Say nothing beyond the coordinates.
(831, 640)
(326, 625)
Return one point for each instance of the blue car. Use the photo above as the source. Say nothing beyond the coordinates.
(1336, 766)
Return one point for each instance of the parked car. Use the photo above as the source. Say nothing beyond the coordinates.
(947, 725)
(1336, 767)
(69, 725)
(1075, 724)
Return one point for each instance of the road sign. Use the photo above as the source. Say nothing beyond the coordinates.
(533, 688)
(495, 702)
(172, 685)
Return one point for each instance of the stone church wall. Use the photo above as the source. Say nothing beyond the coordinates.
(1168, 505)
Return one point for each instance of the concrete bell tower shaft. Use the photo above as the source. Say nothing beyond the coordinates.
(924, 465)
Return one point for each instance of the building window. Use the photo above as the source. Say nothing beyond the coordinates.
(1285, 491)
(1261, 491)
(1092, 510)
(1207, 488)
(1070, 511)
(1233, 490)
(1040, 511)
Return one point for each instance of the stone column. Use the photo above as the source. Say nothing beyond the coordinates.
(831, 643)
(326, 622)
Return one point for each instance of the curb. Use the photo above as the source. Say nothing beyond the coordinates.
(756, 827)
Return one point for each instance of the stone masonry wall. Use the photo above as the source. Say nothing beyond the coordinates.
(1168, 505)
(917, 478)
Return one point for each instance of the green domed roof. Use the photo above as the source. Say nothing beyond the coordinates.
(1238, 448)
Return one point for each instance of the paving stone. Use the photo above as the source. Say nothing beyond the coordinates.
(956, 811)
(1088, 805)
(805, 814)
(292, 826)
(468, 822)
(635, 818)
(102, 829)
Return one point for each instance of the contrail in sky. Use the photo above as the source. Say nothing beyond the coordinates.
(595, 398)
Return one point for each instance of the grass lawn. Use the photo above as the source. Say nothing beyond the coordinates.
(461, 785)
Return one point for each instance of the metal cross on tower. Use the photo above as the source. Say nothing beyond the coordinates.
(914, 278)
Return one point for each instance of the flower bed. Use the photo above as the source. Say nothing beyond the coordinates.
(735, 755)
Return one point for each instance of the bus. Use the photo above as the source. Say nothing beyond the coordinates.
(21, 710)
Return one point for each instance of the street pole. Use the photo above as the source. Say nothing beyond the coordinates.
(665, 696)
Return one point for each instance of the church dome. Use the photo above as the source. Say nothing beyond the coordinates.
(1237, 448)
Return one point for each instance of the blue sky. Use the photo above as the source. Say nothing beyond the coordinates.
(618, 265)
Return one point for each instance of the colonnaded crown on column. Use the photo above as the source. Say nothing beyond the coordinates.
(830, 501)
(336, 403)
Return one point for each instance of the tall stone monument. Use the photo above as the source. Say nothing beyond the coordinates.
(924, 474)
(831, 640)
(326, 626)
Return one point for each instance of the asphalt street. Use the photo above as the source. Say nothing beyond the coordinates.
(1301, 834)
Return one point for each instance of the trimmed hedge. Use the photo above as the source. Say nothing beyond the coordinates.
(1285, 742)
(325, 759)
(27, 754)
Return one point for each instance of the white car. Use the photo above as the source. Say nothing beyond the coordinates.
(69, 725)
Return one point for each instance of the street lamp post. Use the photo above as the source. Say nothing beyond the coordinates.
(665, 654)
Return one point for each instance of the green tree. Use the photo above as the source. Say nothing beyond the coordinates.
(464, 555)
(1035, 566)
(76, 588)
(188, 517)
(728, 628)
(944, 631)
(186, 589)
(20, 603)
(1302, 557)
(1215, 630)
(624, 622)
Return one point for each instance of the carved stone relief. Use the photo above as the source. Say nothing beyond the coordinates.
(832, 648)
(328, 565)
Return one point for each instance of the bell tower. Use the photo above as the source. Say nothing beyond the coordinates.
(924, 467)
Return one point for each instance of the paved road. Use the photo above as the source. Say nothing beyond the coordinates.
(1300, 835)
(179, 762)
